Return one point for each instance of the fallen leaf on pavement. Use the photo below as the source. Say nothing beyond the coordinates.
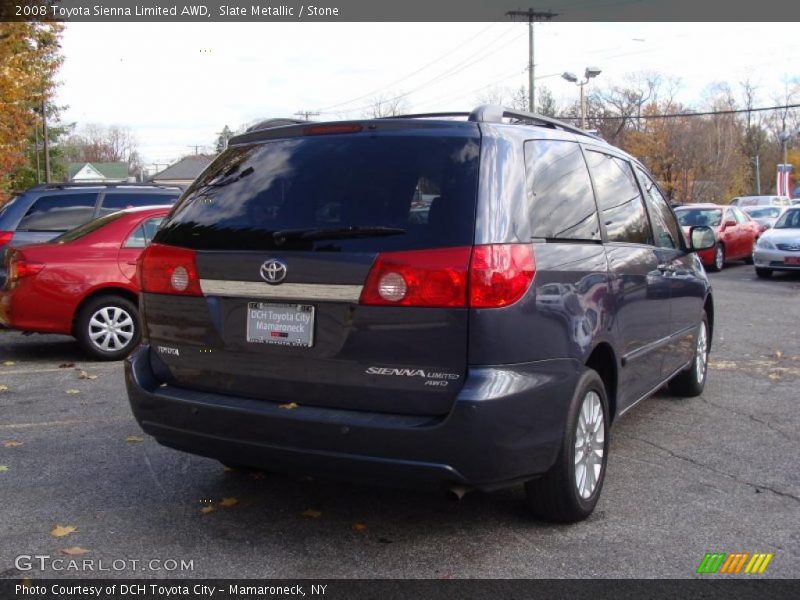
(229, 501)
(3, 468)
(12, 444)
(208, 509)
(359, 527)
(778, 354)
(3, 388)
(9, 363)
(84, 375)
(311, 513)
(61, 530)
(134, 438)
(73, 392)
(74, 551)
(288, 406)
(66, 365)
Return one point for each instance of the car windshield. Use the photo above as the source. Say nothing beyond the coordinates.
(789, 220)
(86, 228)
(711, 217)
(765, 212)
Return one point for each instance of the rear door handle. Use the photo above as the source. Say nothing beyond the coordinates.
(666, 268)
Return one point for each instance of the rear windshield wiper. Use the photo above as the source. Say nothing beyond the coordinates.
(321, 233)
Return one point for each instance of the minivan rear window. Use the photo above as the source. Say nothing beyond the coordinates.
(371, 192)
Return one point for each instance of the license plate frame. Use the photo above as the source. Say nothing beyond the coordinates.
(269, 323)
(792, 260)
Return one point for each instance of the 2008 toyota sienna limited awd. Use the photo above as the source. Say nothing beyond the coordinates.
(459, 299)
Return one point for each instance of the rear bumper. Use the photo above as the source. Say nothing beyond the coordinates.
(506, 425)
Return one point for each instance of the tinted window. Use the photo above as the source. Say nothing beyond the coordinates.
(665, 230)
(119, 200)
(711, 217)
(619, 199)
(423, 184)
(58, 213)
(562, 202)
(86, 228)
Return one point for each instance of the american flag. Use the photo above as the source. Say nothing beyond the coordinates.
(784, 187)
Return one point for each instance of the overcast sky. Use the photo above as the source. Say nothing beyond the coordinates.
(177, 84)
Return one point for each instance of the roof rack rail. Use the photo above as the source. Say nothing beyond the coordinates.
(87, 184)
(428, 115)
(489, 113)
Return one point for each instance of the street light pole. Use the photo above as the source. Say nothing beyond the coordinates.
(589, 73)
(46, 144)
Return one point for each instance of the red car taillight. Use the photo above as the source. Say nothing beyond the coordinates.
(168, 270)
(5, 237)
(481, 277)
(499, 274)
(19, 267)
(419, 278)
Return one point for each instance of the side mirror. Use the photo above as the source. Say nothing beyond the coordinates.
(702, 237)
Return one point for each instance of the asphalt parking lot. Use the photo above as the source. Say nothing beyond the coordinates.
(718, 473)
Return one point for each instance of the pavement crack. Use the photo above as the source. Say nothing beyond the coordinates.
(751, 417)
(673, 454)
(153, 473)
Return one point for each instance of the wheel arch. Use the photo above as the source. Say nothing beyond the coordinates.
(603, 359)
(104, 291)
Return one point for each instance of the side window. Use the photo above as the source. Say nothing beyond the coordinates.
(562, 202)
(143, 234)
(58, 213)
(114, 201)
(665, 230)
(729, 215)
(618, 197)
(740, 216)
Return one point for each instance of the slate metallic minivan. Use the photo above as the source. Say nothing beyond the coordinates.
(464, 299)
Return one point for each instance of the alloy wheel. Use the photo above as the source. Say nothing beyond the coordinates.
(701, 353)
(589, 445)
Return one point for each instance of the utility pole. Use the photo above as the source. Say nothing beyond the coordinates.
(196, 148)
(38, 166)
(531, 16)
(757, 164)
(306, 114)
(46, 144)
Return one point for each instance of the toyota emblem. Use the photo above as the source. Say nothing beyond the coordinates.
(273, 271)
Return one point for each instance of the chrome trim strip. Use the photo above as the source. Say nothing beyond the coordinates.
(322, 292)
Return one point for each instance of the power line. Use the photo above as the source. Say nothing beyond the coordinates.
(700, 114)
(410, 75)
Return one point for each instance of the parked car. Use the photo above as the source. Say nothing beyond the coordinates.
(82, 283)
(779, 248)
(45, 211)
(411, 347)
(736, 233)
(742, 201)
(763, 215)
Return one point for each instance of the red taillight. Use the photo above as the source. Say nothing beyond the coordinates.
(499, 274)
(168, 270)
(5, 237)
(419, 278)
(490, 276)
(19, 267)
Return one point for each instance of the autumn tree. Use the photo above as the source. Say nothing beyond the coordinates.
(30, 55)
(98, 143)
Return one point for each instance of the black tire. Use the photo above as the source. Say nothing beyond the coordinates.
(763, 273)
(719, 258)
(691, 381)
(555, 496)
(123, 315)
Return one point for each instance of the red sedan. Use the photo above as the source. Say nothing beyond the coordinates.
(736, 232)
(83, 283)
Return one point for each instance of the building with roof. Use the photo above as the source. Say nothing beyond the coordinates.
(98, 172)
(183, 172)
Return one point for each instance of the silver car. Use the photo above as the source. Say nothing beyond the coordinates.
(764, 215)
(778, 249)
